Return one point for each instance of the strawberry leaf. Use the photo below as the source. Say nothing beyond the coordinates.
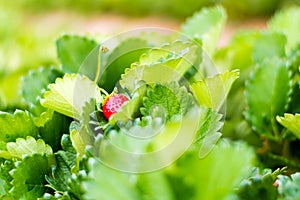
(27, 147)
(268, 45)
(161, 188)
(288, 187)
(212, 92)
(249, 47)
(260, 184)
(126, 53)
(190, 52)
(62, 171)
(54, 126)
(5, 177)
(29, 177)
(17, 125)
(69, 94)
(206, 25)
(72, 51)
(287, 22)
(130, 110)
(34, 84)
(208, 133)
(291, 122)
(156, 73)
(267, 94)
(163, 98)
(201, 175)
(106, 183)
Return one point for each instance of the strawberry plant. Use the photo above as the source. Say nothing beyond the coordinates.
(147, 115)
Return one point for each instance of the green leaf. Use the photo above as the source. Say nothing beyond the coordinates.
(69, 94)
(268, 45)
(184, 97)
(82, 133)
(34, 84)
(138, 75)
(9, 91)
(212, 92)
(80, 138)
(27, 147)
(289, 187)
(291, 122)
(163, 98)
(62, 171)
(6, 177)
(190, 52)
(208, 133)
(17, 125)
(154, 186)
(267, 94)
(260, 185)
(29, 177)
(249, 47)
(72, 50)
(212, 177)
(206, 25)
(130, 110)
(141, 138)
(126, 53)
(53, 128)
(287, 22)
(293, 57)
(107, 183)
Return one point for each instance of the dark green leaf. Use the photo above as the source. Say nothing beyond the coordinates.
(6, 177)
(54, 128)
(62, 172)
(72, 51)
(126, 53)
(29, 177)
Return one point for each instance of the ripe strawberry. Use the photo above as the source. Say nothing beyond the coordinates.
(112, 104)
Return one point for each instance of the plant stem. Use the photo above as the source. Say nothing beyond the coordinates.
(102, 49)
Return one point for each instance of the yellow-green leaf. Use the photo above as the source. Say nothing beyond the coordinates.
(69, 94)
(29, 146)
(211, 92)
(291, 122)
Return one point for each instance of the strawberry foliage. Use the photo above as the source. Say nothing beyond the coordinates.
(234, 122)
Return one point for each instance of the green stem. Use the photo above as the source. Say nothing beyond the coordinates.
(275, 128)
(104, 91)
(286, 148)
(102, 49)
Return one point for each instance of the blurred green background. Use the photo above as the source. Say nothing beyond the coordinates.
(174, 8)
(28, 28)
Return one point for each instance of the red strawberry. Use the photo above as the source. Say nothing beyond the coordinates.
(112, 104)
